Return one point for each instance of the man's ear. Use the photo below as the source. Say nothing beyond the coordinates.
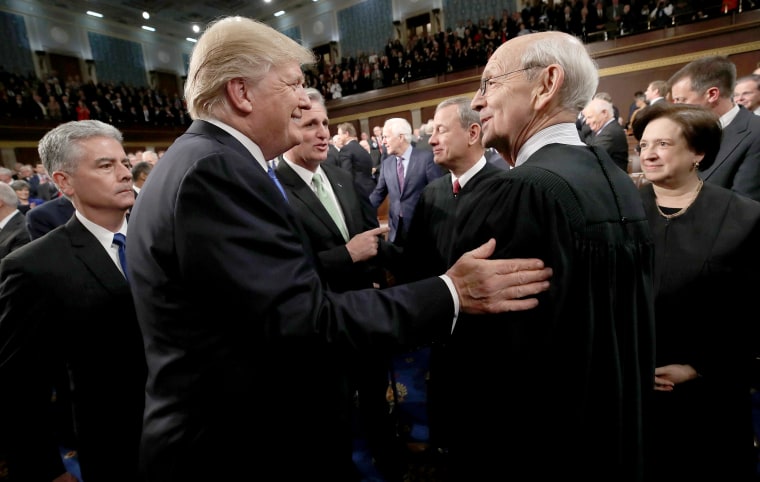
(239, 95)
(474, 134)
(549, 82)
(63, 181)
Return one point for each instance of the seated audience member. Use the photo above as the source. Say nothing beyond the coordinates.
(700, 426)
(6, 175)
(150, 157)
(13, 233)
(25, 201)
(48, 216)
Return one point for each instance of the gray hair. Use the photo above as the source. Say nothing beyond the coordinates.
(753, 77)
(20, 184)
(234, 47)
(581, 71)
(60, 148)
(599, 104)
(315, 96)
(399, 125)
(8, 195)
(467, 115)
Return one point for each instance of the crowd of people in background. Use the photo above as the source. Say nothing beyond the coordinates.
(25, 98)
(472, 42)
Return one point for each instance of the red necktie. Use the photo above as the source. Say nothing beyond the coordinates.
(456, 187)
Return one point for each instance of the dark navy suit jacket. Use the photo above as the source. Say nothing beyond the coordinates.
(236, 319)
(420, 171)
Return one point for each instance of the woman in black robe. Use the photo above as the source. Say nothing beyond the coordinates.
(707, 263)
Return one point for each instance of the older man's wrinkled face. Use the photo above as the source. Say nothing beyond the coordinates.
(504, 100)
(278, 102)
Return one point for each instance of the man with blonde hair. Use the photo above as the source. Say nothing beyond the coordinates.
(242, 385)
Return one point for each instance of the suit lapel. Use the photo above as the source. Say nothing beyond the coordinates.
(88, 250)
(10, 228)
(733, 135)
(346, 200)
(305, 195)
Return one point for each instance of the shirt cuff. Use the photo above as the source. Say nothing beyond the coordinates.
(454, 297)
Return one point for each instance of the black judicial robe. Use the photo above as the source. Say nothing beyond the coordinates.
(707, 265)
(427, 252)
(558, 392)
(429, 242)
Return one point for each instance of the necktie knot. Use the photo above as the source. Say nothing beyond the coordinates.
(121, 242)
(456, 187)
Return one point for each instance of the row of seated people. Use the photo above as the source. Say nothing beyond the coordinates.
(27, 99)
(469, 44)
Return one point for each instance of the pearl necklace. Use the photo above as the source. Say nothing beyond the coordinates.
(685, 208)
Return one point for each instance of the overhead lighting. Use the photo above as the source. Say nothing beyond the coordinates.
(280, 13)
(149, 29)
(146, 15)
(191, 39)
(94, 14)
(196, 29)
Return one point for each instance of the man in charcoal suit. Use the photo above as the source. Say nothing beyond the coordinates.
(348, 250)
(68, 322)
(356, 160)
(709, 82)
(402, 177)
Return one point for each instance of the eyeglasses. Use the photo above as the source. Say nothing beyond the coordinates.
(487, 81)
